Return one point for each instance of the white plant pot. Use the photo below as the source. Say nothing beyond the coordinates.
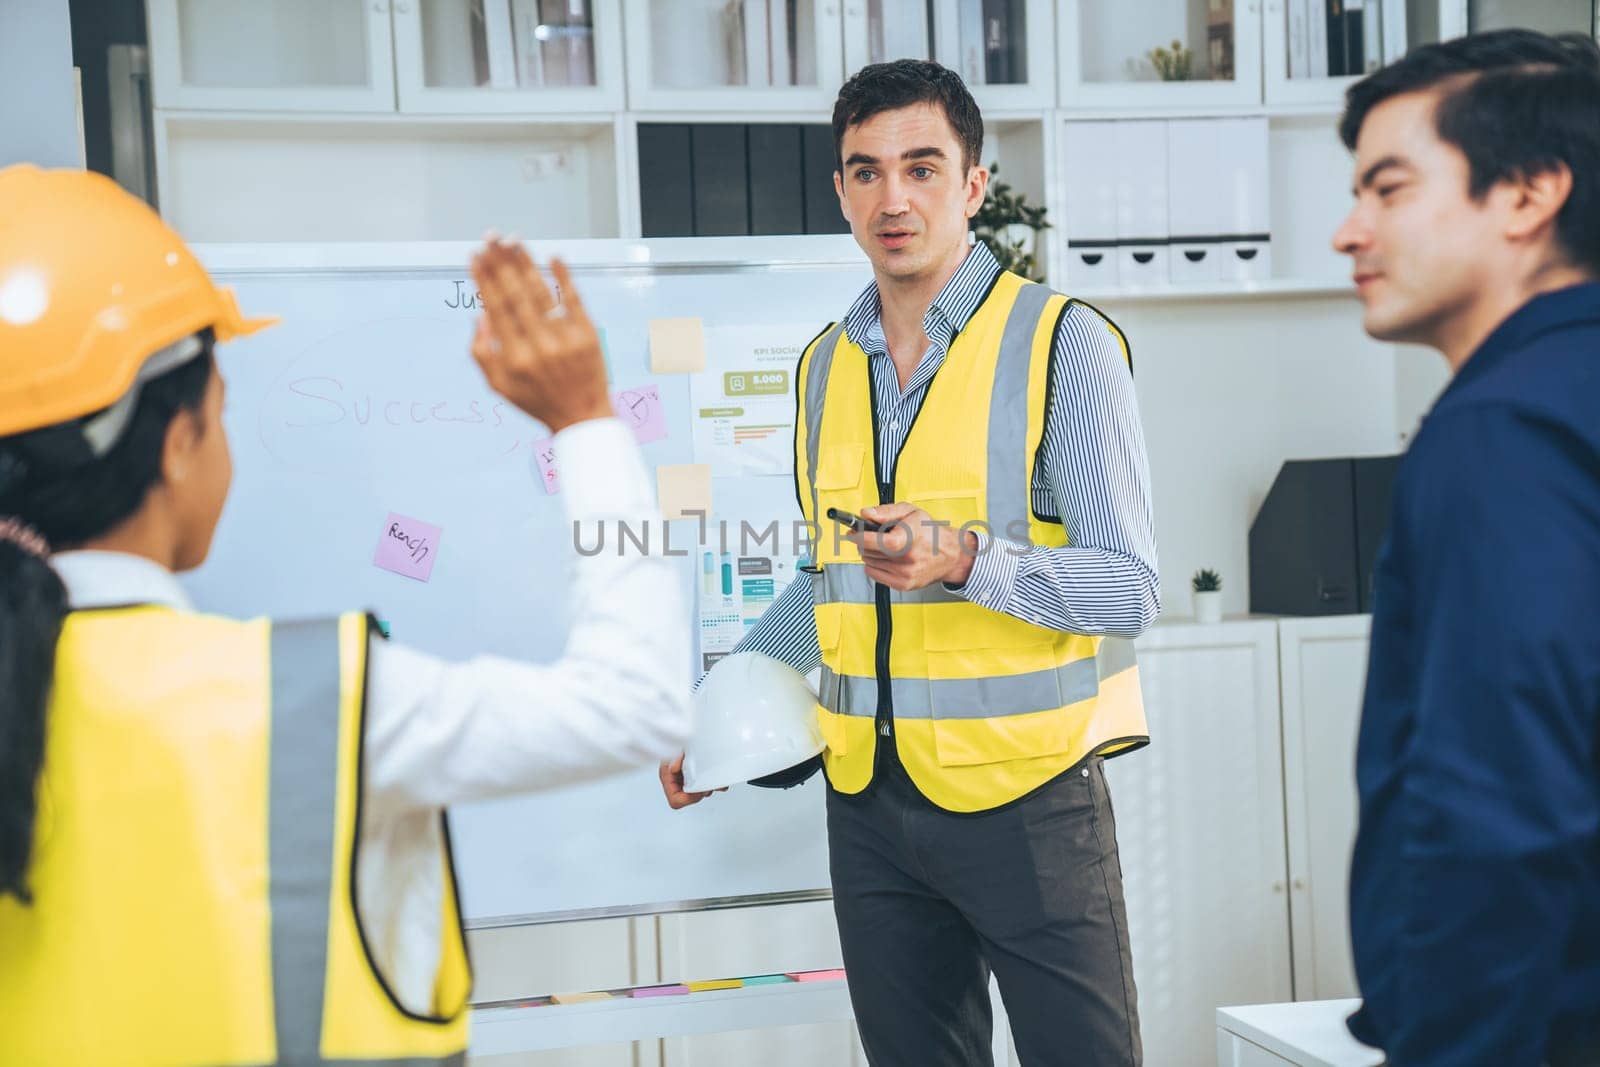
(1208, 606)
(1020, 233)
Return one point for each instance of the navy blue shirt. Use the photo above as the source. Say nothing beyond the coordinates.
(1475, 885)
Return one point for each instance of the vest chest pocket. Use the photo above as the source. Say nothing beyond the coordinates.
(840, 466)
(840, 483)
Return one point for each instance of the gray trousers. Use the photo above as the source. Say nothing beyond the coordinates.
(929, 902)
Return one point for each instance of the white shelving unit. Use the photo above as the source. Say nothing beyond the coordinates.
(1104, 62)
(746, 56)
(450, 61)
(366, 119)
(294, 55)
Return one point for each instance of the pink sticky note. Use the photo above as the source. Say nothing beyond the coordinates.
(661, 991)
(408, 547)
(641, 411)
(818, 976)
(544, 455)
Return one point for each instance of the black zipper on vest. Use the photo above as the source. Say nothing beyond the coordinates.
(885, 712)
(884, 719)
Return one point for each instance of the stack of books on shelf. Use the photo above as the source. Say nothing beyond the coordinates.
(533, 44)
(982, 40)
(763, 39)
(1341, 38)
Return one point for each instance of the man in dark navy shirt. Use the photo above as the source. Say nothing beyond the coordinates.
(1475, 885)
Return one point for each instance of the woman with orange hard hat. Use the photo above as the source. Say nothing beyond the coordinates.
(222, 841)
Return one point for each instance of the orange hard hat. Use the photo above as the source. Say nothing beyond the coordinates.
(92, 284)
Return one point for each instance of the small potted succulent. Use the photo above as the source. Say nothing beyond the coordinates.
(1207, 585)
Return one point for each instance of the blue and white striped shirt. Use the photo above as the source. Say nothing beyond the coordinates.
(1091, 472)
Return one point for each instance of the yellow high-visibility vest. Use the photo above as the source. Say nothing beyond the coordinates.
(985, 707)
(195, 855)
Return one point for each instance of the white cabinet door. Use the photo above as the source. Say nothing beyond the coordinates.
(547, 57)
(734, 55)
(287, 55)
(1106, 62)
(1003, 49)
(1200, 830)
(1324, 666)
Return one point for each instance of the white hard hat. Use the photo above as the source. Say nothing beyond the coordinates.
(753, 716)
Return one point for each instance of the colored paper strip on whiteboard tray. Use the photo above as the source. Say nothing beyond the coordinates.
(818, 976)
(660, 991)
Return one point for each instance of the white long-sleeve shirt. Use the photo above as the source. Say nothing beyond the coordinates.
(441, 733)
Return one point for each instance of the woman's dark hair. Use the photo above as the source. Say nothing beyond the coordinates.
(1515, 103)
(902, 83)
(51, 481)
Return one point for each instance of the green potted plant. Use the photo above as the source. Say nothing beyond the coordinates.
(1174, 63)
(1010, 226)
(1207, 586)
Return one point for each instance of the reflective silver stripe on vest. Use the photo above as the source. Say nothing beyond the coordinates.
(964, 698)
(847, 583)
(304, 781)
(302, 816)
(1010, 475)
(818, 369)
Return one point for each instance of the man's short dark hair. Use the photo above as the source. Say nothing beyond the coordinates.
(890, 86)
(1515, 103)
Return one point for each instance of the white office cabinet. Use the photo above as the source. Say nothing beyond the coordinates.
(1239, 177)
(495, 56)
(1105, 53)
(1218, 199)
(1324, 666)
(288, 55)
(1142, 226)
(1197, 210)
(1003, 49)
(1199, 818)
(734, 55)
(1089, 179)
(318, 178)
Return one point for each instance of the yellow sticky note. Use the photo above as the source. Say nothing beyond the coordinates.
(677, 346)
(683, 489)
(721, 983)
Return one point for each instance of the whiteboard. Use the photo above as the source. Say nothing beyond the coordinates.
(364, 401)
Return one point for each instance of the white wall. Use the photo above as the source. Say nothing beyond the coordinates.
(1229, 390)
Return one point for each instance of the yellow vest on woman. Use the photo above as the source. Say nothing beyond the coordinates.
(985, 707)
(195, 855)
